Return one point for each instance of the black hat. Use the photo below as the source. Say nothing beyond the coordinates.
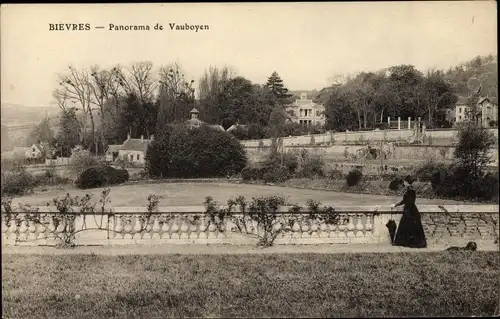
(409, 179)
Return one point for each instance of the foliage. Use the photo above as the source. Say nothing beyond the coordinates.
(101, 176)
(81, 159)
(276, 174)
(396, 184)
(42, 132)
(426, 172)
(69, 132)
(253, 172)
(457, 182)
(466, 177)
(472, 149)
(335, 174)
(310, 165)
(354, 177)
(18, 182)
(202, 152)
(278, 93)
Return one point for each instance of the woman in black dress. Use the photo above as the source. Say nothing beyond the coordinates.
(410, 232)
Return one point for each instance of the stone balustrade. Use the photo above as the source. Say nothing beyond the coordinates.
(190, 225)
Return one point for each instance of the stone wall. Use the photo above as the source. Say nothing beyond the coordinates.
(335, 153)
(450, 224)
(431, 136)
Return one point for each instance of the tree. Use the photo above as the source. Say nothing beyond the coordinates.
(76, 86)
(41, 133)
(277, 121)
(138, 80)
(176, 96)
(437, 95)
(69, 132)
(211, 88)
(180, 151)
(472, 150)
(339, 112)
(278, 93)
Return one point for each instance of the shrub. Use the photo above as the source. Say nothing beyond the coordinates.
(457, 182)
(101, 176)
(250, 173)
(310, 165)
(426, 172)
(276, 174)
(81, 159)
(18, 183)
(180, 151)
(473, 147)
(396, 184)
(335, 174)
(354, 177)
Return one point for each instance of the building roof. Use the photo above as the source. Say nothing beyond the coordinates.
(194, 110)
(235, 126)
(113, 148)
(462, 100)
(39, 147)
(135, 144)
(217, 127)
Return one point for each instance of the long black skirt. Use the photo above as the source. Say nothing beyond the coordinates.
(410, 231)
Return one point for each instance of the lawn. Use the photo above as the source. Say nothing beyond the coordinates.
(278, 285)
(186, 194)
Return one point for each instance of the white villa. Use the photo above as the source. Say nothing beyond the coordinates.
(488, 111)
(305, 112)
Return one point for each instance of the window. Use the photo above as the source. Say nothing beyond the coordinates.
(33, 150)
(138, 156)
(459, 110)
(131, 157)
(460, 117)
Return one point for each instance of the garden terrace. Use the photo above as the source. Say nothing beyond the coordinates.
(448, 224)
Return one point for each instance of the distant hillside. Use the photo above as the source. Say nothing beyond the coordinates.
(19, 120)
(15, 114)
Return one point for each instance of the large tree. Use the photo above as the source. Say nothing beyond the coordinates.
(277, 91)
(211, 88)
(41, 133)
(175, 96)
(69, 132)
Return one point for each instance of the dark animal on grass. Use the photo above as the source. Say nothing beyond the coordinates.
(471, 246)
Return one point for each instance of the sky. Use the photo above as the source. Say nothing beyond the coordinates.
(306, 43)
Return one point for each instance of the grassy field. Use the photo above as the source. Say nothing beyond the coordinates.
(186, 194)
(300, 285)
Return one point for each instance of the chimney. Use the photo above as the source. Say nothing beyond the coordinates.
(142, 137)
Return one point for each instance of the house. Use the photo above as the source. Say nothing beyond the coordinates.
(195, 122)
(487, 111)
(36, 151)
(112, 152)
(306, 112)
(134, 150)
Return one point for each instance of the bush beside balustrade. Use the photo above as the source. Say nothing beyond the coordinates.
(191, 225)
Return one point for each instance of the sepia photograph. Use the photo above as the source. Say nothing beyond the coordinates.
(250, 160)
